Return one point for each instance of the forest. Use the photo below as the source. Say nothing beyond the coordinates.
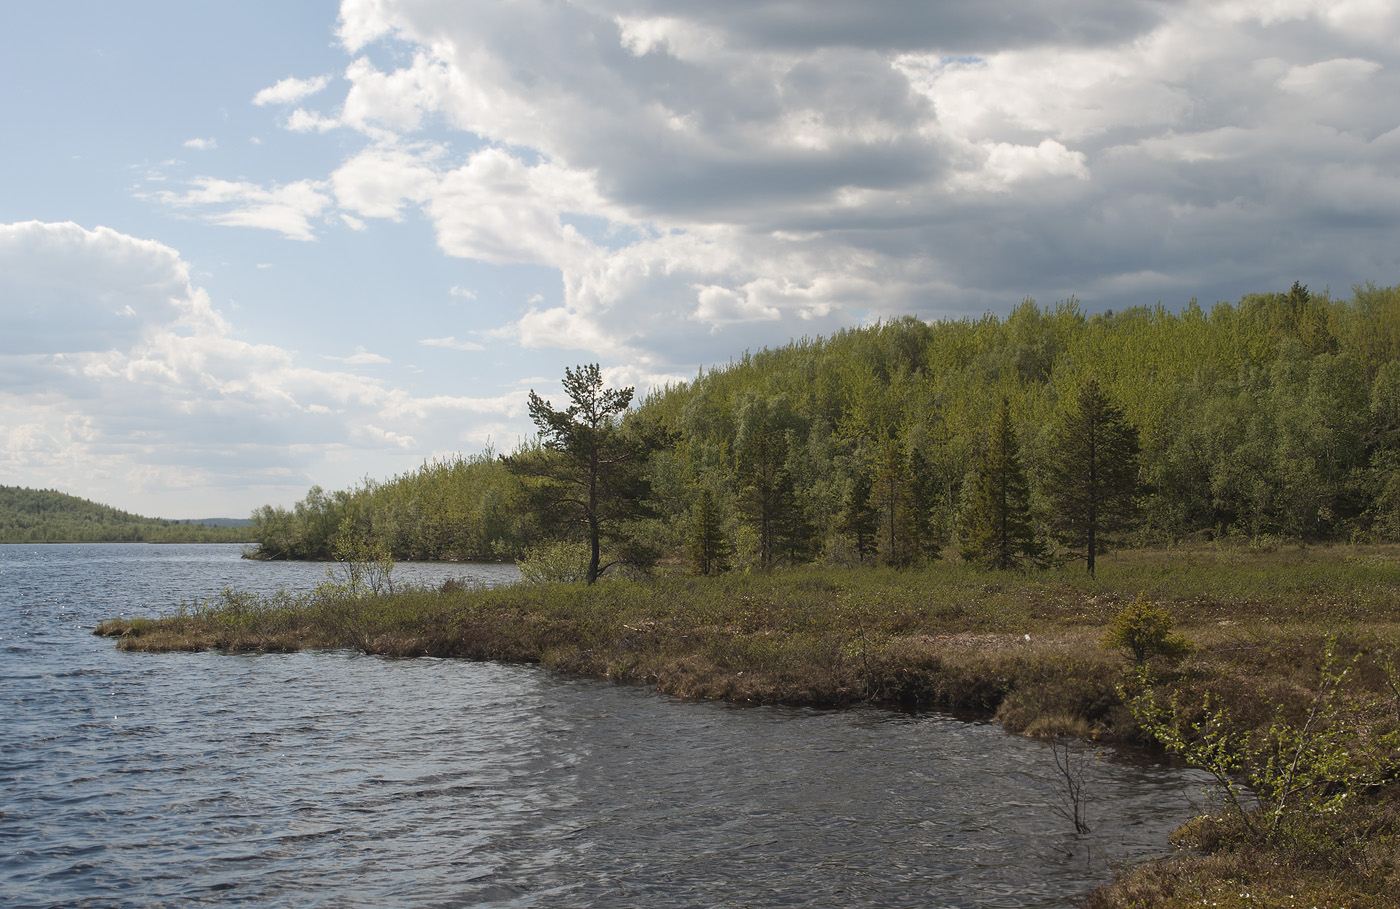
(49, 516)
(1046, 435)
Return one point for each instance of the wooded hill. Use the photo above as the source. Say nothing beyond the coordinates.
(49, 516)
(1276, 417)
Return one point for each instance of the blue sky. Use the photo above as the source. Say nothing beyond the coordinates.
(245, 248)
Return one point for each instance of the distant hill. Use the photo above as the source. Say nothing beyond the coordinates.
(50, 516)
(219, 522)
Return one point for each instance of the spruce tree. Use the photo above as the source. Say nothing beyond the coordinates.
(709, 551)
(926, 517)
(1093, 474)
(860, 521)
(996, 523)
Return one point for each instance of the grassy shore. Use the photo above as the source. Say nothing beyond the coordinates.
(1292, 641)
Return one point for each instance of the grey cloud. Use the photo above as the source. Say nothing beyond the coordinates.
(1184, 154)
(954, 26)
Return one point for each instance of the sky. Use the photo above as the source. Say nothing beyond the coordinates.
(248, 248)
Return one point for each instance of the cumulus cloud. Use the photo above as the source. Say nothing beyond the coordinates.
(291, 90)
(201, 144)
(767, 169)
(304, 121)
(122, 379)
(287, 209)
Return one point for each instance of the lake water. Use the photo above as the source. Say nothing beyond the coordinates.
(337, 779)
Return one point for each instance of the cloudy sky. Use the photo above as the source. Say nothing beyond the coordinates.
(245, 248)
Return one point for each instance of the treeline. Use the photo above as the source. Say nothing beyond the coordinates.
(49, 516)
(459, 509)
(1277, 417)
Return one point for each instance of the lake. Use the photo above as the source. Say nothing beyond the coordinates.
(338, 779)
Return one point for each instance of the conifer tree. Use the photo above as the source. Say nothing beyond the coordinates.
(900, 530)
(766, 495)
(924, 506)
(590, 470)
(709, 551)
(1093, 475)
(860, 521)
(996, 524)
(794, 534)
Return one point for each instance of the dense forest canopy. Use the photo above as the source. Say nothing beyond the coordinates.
(1278, 416)
(49, 516)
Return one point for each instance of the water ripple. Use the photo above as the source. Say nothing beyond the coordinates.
(336, 779)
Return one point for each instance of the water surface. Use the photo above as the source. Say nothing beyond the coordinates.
(337, 779)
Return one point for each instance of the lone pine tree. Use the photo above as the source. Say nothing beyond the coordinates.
(589, 468)
(1093, 474)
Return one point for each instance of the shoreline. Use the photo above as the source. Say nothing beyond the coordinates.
(1021, 649)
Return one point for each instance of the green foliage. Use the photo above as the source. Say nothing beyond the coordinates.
(554, 563)
(363, 567)
(1093, 473)
(1271, 418)
(709, 550)
(996, 521)
(1145, 631)
(1298, 767)
(463, 508)
(588, 471)
(49, 516)
(860, 520)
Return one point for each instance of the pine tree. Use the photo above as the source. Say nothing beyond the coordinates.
(589, 470)
(997, 529)
(1093, 475)
(794, 533)
(709, 551)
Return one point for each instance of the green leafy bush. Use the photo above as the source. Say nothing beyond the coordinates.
(554, 563)
(1145, 631)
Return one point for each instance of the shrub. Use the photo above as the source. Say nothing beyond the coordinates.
(1144, 630)
(554, 563)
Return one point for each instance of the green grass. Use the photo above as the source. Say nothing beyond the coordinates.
(1023, 648)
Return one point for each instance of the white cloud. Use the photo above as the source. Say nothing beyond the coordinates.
(360, 357)
(1329, 77)
(498, 209)
(165, 402)
(451, 343)
(291, 90)
(304, 121)
(201, 144)
(378, 181)
(286, 209)
(763, 170)
(462, 292)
